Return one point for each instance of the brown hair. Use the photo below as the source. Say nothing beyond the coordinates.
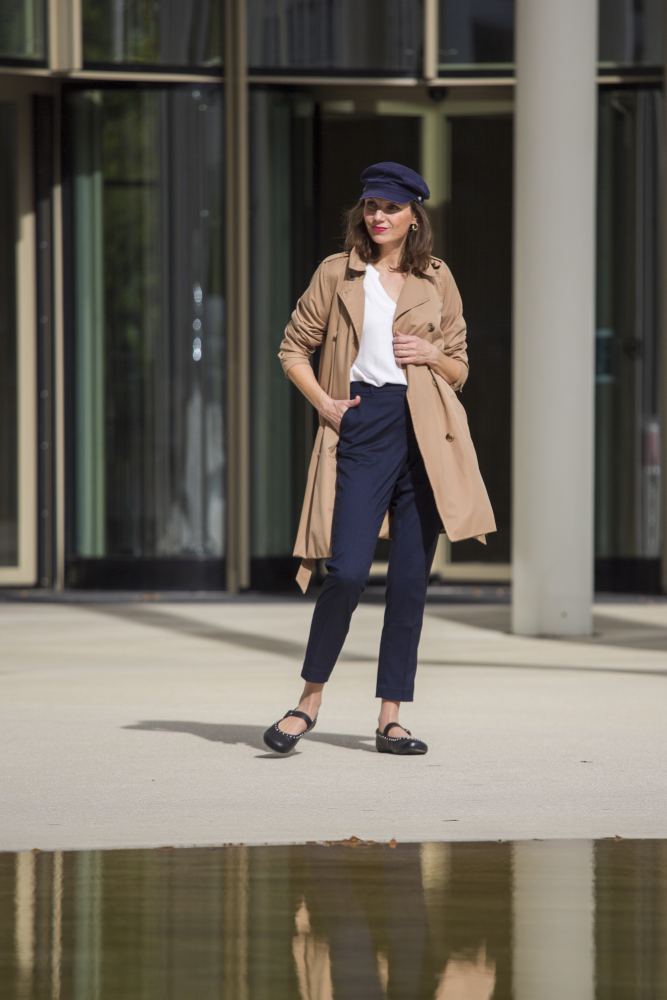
(417, 246)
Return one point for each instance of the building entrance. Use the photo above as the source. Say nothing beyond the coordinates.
(464, 149)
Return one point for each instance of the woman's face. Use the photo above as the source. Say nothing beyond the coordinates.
(387, 221)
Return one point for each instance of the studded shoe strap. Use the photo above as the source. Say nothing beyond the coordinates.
(388, 727)
(302, 715)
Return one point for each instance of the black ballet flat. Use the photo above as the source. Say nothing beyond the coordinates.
(398, 744)
(282, 742)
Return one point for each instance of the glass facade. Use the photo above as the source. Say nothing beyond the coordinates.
(148, 358)
(172, 33)
(379, 37)
(627, 472)
(8, 341)
(23, 30)
(311, 175)
(481, 33)
(149, 397)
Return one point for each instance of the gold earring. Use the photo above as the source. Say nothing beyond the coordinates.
(413, 225)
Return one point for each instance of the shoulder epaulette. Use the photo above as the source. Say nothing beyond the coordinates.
(335, 256)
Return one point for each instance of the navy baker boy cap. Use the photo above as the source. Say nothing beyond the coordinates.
(394, 182)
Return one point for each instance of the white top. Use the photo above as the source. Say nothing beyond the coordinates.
(375, 361)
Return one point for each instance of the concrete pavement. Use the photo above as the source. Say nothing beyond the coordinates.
(139, 724)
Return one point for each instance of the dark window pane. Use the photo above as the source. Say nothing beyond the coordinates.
(179, 33)
(627, 471)
(281, 139)
(631, 34)
(148, 380)
(481, 32)
(22, 29)
(479, 242)
(476, 31)
(8, 372)
(383, 36)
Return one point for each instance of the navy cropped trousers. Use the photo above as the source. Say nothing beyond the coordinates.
(379, 467)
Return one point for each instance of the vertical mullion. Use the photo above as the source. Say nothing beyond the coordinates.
(65, 41)
(26, 327)
(430, 44)
(44, 184)
(237, 276)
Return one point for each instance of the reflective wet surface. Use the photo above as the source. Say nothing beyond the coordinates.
(532, 919)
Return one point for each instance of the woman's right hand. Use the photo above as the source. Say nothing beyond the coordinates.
(333, 410)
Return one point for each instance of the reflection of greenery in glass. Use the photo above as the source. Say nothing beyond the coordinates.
(149, 322)
(169, 33)
(131, 174)
(22, 29)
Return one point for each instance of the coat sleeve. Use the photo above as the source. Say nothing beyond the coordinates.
(307, 325)
(453, 328)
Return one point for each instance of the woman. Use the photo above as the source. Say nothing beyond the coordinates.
(392, 456)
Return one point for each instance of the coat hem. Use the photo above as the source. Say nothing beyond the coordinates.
(304, 573)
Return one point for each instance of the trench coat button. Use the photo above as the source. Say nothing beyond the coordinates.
(430, 327)
(450, 437)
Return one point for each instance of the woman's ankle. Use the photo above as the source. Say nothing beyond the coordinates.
(311, 694)
(389, 709)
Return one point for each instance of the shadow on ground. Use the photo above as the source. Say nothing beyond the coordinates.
(233, 733)
(608, 630)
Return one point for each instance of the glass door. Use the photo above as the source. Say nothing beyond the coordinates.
(18, 523)
(147, 354)
(463, 146)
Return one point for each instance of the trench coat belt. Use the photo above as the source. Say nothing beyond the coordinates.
(305, 571)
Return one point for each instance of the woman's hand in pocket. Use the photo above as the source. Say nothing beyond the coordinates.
(333, 410)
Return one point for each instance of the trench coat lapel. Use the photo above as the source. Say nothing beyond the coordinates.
(413, 293)
(351, 293)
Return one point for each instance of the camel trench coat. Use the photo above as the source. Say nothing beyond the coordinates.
(330, 313)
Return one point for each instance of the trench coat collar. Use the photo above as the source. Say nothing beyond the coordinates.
(415, 291)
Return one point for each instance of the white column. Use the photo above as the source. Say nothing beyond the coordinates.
(554, 316)
(553, 920)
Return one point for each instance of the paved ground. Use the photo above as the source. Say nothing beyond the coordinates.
(139, 724)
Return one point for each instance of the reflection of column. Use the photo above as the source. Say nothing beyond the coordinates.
(57, 888)
(554, 316)
(24, 922)
(240, 965)
(553, 954)
(87, 900)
